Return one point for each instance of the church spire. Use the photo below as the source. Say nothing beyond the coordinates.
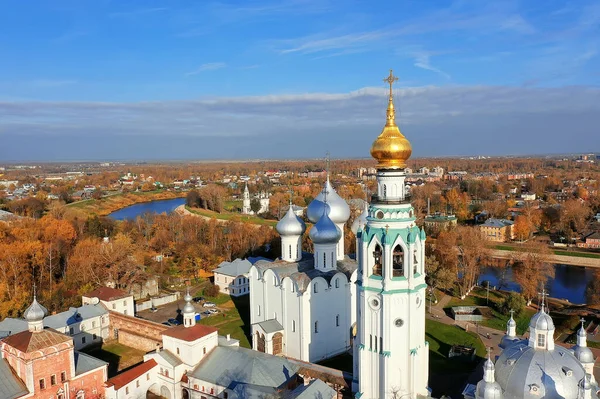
(390, 112)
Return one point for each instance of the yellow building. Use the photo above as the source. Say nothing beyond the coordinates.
(499, 230)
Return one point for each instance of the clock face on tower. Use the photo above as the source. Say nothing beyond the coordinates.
(379, 215)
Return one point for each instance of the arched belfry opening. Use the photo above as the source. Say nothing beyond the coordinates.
(398, 261)
(377, 260)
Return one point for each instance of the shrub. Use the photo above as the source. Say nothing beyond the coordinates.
(212, 290)
(514, 301)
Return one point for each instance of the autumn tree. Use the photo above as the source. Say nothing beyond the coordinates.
(532, 269)
(437, 275)
(472, 253)
(255, 205)
(522, 228)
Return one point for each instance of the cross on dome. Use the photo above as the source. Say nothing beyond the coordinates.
(543, 294)
(512, 313)
(391, 79)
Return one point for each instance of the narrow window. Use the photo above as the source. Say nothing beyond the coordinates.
(415, 263)
(380, 344)
(324, 259)
(53, 379)
(71, 330)
(93, 324)
(94, 336)
(293, 325)
(137, 384)
(204, 350)
(316, 327)
(114, 306)
(370, 341)
(384, 191)
(42, 384)
(377, 254)
(83, 340)
(376, 343)
(315, 289)
(178, 351)
(63, 376)
(398, 262)
(290, 251)
(332, 259)
(337, 320)
(225, 395)
(124, 303)
(259, 310)
(541, 340)
(126, 390)
(147, 376)
(337, 283)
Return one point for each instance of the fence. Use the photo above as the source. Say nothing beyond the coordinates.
(158, 301)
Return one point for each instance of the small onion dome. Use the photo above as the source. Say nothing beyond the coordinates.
(188, 296)
(581, 333)
(361, 220)
(488, 388)
(35, 311)
(511, 322)
(189, 308)
(583, 354)
(290, 224)
(339, 211)
(325, 231)
(541, 321)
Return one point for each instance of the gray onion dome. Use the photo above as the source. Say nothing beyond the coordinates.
(339, 211)
(188, 308)
(583, 354)
(541, 321)
(35, 311)
(488, 388)
(325, 231)
(361, 221)
(290, 224)
(512, 322)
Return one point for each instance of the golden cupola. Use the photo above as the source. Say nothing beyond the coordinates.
(391, 149)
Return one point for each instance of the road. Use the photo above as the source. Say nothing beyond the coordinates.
(173, 310)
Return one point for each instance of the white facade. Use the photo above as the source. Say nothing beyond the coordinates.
(262, 197)
(234, 286)
(120, 301)
(392, 355)
(313, 315)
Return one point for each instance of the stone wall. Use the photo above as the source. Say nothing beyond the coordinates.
(159, 301)
(136, 333)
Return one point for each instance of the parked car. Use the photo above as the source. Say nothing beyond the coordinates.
(166, 324)
(209, 305)
(206, 313)
(154, 310)
(174, 322)
(212, 311)
(198, 299)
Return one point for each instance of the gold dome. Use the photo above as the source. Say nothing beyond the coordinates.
(391, 149)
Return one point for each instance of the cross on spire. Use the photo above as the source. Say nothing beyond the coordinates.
(327, 162)
(543, 294)
(291, 195)
(582, 323)
(391, 79)
(512, 313)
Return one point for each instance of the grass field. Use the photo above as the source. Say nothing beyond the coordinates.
(441, 337)
(577, 254)
(119, 357)
(231, 216)
(233, 320)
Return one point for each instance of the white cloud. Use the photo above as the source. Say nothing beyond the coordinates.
(211, 66)
(422, 60)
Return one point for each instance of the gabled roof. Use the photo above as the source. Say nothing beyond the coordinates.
(233, 366)
(122, 379)
(238, 267)
(189, 334)
(499, 223)
(169, 357)
(270, 326)
(315, 389)
(27, 341)
(74, 315)
(107, 294)
(11, 386)
(594, 236)
(85, 363)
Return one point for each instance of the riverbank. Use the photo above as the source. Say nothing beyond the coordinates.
(572, 260)
(224, 217)
(112, 203)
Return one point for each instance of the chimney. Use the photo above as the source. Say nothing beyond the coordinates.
(228, 337)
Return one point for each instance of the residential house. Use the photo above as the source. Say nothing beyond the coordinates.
(232, 277)
(114, 299)
(591, 240)
(499, 230)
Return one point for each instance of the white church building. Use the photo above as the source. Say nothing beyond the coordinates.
(263, 198)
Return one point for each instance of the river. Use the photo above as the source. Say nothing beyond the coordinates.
(161, 206)
(569, 282)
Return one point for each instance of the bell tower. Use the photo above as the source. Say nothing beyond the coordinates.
(391, 355)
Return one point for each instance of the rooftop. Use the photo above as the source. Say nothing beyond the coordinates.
(238, 267)
(27, 341)
(106, 294)
(11, 386)
(499, 223)
(130, 375)
(189, 334)
(85, 363)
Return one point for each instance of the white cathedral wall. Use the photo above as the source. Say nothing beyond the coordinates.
(273, 299)
(191, 353)
(292, 317)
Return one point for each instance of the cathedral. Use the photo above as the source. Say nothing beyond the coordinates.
(536, 367)
(314, 306)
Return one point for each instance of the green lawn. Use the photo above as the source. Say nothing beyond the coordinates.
(231, 216)
(441, 337)
(119, 357)
(234, 320)
(577, 254)
(218, 300)
(498, 320)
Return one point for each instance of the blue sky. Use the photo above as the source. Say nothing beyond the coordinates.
(295, 78)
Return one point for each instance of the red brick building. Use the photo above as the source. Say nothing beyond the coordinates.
(42, 363)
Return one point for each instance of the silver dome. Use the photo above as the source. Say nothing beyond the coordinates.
(525, 372)
(488, 388)
(511, 322)
(339, 210)
(189, 308)
(325, 231)
(507, 341)
(35, 311)
(361, 220)
(541, 321)
(583, 354)
(290, 224)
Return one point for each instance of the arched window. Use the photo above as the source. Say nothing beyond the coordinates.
(337, 320)
(398, 262)
(337, 283)
(324, 259)
(541, 340)
(315, 289)
(290, 251)
(377, 258)
(384, 191)
(415, 263)
(332, 259)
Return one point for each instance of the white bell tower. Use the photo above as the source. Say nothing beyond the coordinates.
(246, 210)
(391, 354)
